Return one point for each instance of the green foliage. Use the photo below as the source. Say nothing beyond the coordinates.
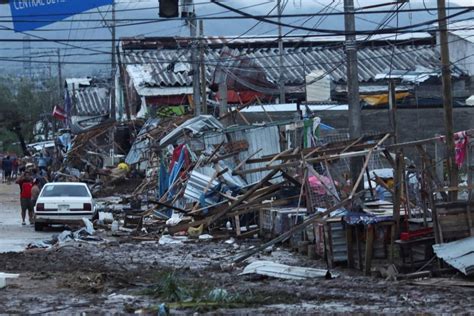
(22, 103)
(183, 293)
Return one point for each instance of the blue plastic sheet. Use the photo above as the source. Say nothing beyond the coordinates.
(355, 218)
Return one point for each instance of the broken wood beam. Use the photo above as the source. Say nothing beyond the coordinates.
(243, 197)
(247, 254)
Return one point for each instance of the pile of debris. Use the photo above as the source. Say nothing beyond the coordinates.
(296, 180)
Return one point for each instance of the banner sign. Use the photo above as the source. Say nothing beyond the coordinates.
(29, 15)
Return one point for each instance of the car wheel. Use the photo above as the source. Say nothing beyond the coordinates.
(38, 227)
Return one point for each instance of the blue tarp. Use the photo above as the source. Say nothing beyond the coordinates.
(164, 178)
(355, 218)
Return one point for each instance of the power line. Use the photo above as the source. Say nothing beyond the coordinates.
(403, 30)
(294, 15)
(329, 31)
(152, 59)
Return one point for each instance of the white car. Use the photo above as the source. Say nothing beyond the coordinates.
(63, 203)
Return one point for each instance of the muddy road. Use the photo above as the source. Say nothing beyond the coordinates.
(124, 276)
(14, 236)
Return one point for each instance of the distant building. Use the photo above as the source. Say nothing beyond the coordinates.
(157, 73)
(461, 45)
(90, 102)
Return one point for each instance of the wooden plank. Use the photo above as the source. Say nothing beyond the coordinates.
(214, 152)
(350, 246)
(290, 179)
(309, 221)
(366, 163)
(369, 248)
(398, 181)
(243, 197)
(278, 156)
(245, 160)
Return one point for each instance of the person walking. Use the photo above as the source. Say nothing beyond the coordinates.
(26, 184)
(14, 168)
(7, 168)
(35, 192)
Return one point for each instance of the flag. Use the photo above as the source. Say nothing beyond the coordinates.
(58, 113)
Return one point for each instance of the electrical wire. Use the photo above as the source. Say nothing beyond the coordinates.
(329, 31)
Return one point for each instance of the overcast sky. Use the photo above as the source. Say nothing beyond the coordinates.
(71, 28)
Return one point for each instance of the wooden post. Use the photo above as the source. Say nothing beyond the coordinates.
(350, 246)
(469, 185)
(447, 98)
(369, 247)
(398, 183)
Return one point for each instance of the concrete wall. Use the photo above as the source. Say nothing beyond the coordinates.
(413, 123)
(461, 53)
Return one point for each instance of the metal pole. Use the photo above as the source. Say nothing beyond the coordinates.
(195, 62)
(281, 80)
(447, 98)
(223, 97)
(60, 76)
(202, 68)
(392, 105)
(114, 66)
(352, 84)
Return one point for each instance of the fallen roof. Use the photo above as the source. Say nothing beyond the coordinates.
(195, 125)
(459, 254)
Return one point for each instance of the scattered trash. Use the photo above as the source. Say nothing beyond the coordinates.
(171, 240)
(205, 237)
(115, 226)
(174, 220)
(4, 277)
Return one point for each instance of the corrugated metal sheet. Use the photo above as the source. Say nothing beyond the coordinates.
(91, 101)
(459, 254)
(265, 138)
(142, 143)
(196, 186)
(159, 67)
(196, 125)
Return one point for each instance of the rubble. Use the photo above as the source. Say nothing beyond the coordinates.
(249, 189)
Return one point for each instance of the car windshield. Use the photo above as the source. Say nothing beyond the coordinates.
(65, 190)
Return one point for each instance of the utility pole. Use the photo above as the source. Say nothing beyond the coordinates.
(447, 98)
(202, 68)
(194, 60)
(281, 79)
(114, 66)
(399, 158)
(352, 85)
(60, 76)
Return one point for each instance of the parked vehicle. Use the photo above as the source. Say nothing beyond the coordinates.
(63, 203)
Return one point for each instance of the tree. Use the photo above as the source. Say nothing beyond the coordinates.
(22, 103)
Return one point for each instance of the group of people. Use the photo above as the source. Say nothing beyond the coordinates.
(9, 168)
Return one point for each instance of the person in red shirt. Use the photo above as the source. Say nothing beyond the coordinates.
(26, 183)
